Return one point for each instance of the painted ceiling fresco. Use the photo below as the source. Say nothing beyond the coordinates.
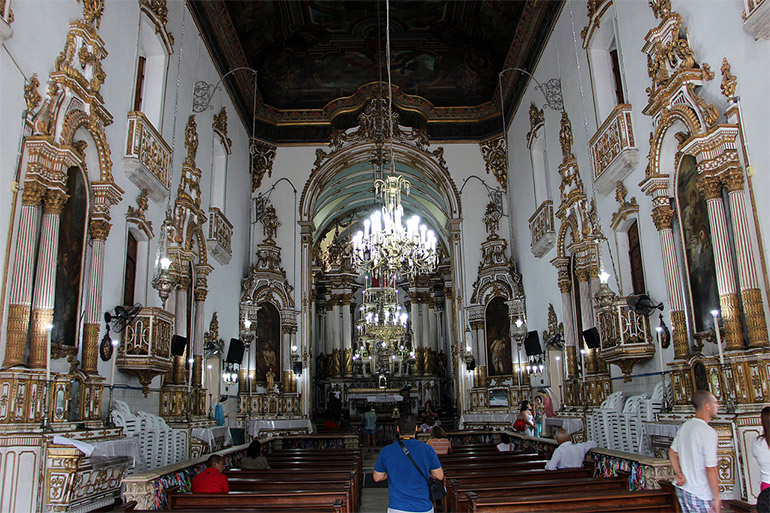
(319, 61)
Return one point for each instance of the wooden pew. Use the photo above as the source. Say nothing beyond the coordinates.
(326, 500)
(453, 483)
(642, 501)
(290, 486)
(543, 487)
(298, 476)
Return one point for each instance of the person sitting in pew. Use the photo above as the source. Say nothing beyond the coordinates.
(439, 441)
(505, 444)
(568, 455)
(212, 480)
(254, 459)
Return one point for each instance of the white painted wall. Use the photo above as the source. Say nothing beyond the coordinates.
(715, 30)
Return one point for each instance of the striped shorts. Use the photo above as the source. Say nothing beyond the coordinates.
(691, 503)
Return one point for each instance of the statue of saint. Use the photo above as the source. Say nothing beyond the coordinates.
(270, 380)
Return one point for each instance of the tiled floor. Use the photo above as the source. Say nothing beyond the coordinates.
(373, 500)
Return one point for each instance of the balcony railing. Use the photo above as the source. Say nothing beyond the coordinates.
(147, 160)
(146, 347)
(614, 154)
(542, 229)
(625, 336)
(756, 18)
(220, 236)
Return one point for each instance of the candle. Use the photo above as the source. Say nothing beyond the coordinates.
(583, 363)
(620, 324)
(715, 315)
(48, 329)
(189, 381)
(660, 349)
(114, 357)
(558, 368)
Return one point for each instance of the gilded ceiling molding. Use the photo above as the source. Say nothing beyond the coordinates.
(729, 81)
(220, 128)
(495, 159)
(263, 155)
(157, 11)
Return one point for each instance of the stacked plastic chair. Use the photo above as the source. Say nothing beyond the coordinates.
(627, 435)
(612, 405)
(159, 445)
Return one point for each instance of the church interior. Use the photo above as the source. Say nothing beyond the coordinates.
(229, 220)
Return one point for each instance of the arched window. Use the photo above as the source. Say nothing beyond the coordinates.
(151, 67)
(605, 62)
(70, 260)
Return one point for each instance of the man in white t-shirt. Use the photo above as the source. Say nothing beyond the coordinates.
(567, 454)
(693, 456)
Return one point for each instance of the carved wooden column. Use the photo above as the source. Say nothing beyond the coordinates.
(586, 310)
(711, 188)
(570, 341)
(100, 229)
(180, 320)
(662, 216)
(21, 280)
(200, 299)
(751, 295)
(45, 278)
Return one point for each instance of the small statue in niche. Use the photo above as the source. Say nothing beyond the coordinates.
(270, 223)
(270, 380)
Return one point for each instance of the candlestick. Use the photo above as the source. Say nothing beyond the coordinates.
(114, 358)
(583, 363)
(48, 329)
(660, 349)
(189, 381)
(620, 324)
(715, 315)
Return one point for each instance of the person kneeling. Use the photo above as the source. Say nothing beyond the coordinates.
(212, 480)
(568, 455)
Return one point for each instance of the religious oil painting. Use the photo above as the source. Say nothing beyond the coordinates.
(268, 342)
(498, 338)
(696, 241)
(69, 261)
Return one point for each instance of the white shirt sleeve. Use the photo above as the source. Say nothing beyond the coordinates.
(553, 463)
(710, 449)
(587, 446)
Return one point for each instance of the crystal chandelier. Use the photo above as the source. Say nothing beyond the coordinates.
(386, 247)
(382, 317)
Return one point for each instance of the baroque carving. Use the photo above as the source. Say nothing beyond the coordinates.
(270, 223)
(729, 81)
(492, 220)
(93, 11)
(220, 128)
(157, 11)
(262, 157)
(625, 207)
(495, 159)
(31, 96)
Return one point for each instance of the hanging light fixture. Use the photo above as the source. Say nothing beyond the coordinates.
(385, 247)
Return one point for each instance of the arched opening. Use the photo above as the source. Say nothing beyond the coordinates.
(219, 176)
(70, 261)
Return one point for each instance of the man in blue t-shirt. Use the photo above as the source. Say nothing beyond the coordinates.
(407, 487)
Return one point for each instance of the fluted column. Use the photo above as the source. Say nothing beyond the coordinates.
(562, 265)
(180, 321)
(198, 333)
(328, 329)
(347, 325)
(751, 295)
(414, 317)
(21, 280)
(432, 335)
(587, 318)
(711, 188)
(425, 321)
(45, 278)
(662, 216)
(100, 230)
(336, 331)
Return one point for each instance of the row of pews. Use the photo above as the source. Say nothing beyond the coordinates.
(481, 480)
(299, 480)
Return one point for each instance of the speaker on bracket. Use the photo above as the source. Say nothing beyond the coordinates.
(591, 336)
(235, 351)
(532, 344)
(471, 366)
(297, 368)
(178, 345)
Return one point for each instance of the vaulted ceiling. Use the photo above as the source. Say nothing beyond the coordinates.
(319, 61)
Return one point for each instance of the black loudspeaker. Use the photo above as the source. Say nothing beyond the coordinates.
(532, 344)
(591, 336)
(297, 368)
(235, 351)
(178, 345)
(471, 365)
